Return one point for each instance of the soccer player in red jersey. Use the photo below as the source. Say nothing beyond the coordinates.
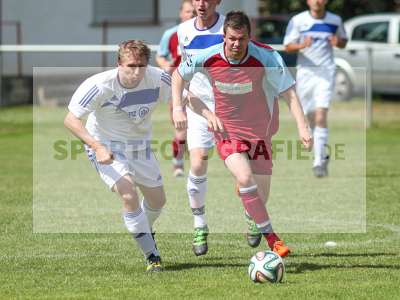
(247, 79)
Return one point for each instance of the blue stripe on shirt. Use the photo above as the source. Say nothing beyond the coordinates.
(205, 41)
(322, 27)
(87, 94)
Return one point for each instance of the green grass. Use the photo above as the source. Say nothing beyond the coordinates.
(92, 266)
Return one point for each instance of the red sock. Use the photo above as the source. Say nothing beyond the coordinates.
(253, 204)
(178, 148)
(271, 238)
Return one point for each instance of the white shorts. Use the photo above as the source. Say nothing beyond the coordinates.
(198, 135)
(142, 166)
(315, 87)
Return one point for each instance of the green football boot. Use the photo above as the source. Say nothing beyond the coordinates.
(200, 246)
(253, 235)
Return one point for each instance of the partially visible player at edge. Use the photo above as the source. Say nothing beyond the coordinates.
(168, 58)
(247, 79)
(117, 137)
(313, 34)
(195, 36)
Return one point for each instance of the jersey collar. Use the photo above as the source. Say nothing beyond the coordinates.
(216, 21)
(235, 62)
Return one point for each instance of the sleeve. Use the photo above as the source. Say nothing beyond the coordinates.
(187, 68)
(279, 78)
(163, 49)
(341, 32)
(86, 99)
(165, 87)
(292, 34)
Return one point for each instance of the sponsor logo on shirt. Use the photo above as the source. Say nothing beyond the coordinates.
(234, 88)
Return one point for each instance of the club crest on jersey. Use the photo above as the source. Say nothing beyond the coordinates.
(234, 88)
(143, 111)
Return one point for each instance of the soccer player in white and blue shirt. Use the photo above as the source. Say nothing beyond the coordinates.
(117, 136)
(194, 37)
(168, 58)
(313, 34)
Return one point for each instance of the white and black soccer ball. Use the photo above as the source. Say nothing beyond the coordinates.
(266, 266)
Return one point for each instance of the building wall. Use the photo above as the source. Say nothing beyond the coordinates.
(70, 22)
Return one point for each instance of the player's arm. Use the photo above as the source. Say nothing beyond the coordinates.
(75, 125)
(85, 100)
(163, 52)
(338, 42)
(178, 115)
(296, 47)
(198, 106)
(164, 63)
(297, 111)
(292, 41)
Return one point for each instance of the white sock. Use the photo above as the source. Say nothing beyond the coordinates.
(152, 214)
(137, 224)
(320, 142)
(196, 189)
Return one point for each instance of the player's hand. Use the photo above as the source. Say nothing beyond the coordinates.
(306, 138)
(103, 155)
(179, 117)
(307, 42)
(334, 40)
(214, 123)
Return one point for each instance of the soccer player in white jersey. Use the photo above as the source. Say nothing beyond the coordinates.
(168, 58)
(117, 135)
(313, 34)
(194, 37)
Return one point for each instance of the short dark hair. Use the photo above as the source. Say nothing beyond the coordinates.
(237, 19)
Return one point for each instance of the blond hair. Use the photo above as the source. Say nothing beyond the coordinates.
(133, 47)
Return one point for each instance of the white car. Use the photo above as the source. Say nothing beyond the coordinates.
(374, 40)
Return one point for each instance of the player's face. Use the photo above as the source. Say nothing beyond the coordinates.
(131, 70)
(205, 9)
(187, 12)
(317, 5)
(236, 42)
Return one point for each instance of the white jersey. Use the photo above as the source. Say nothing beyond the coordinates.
(118, 114)
(320, 53)
(193, 42)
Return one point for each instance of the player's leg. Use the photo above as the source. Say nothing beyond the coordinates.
(199, 140)
(178, 149)
(147, 176)
(137, 223)
(117, 177)
(323, 95)
(239, 165)
(254, 235)
(196, 189)
(274, 241)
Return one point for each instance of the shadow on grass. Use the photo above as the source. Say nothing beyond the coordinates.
(332, 254)
(297, 268)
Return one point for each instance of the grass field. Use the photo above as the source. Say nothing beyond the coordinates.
(61, 265)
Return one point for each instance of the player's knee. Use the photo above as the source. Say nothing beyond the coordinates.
(245, 180)
(198, 165)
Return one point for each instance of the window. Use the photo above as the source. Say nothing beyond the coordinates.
(123, 12)
(371, 32)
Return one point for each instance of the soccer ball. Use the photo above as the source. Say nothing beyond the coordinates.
(266, 266)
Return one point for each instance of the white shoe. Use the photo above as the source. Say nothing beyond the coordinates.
(321, 170)
(178, 171)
